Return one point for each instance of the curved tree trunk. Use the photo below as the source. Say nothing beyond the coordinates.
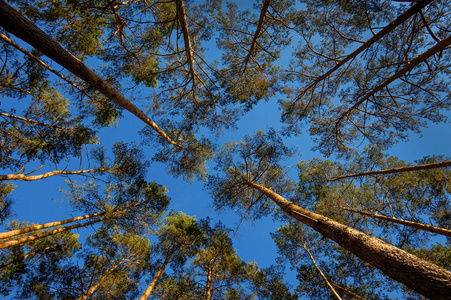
(13, 22)
(209, 284)
(421, 276)
(157, 277)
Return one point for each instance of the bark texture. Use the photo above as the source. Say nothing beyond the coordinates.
(16, 24)
(421, 276)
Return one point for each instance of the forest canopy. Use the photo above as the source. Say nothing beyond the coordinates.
(140, 139)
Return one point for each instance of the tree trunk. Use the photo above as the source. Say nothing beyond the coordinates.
(46, 234)
(425, 227)
(209, 284)
(13, 22)
(24, 230)
(157, 277)
(23, 177)
(421, 276)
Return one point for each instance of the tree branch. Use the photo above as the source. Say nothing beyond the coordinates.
(12, 21)
(442, 164)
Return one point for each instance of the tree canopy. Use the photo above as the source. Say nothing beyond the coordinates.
(148, 123)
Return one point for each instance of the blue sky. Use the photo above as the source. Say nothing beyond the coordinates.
(38, 201)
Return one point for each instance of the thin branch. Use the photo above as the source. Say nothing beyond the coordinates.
(32, 121)
(386, 30)
(319, 270)
(436, 165)
(409, 66)
(425, 227)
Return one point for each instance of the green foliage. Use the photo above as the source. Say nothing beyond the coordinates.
(345, 272)
(255, 159)
(19, 264)
(195, 79)
(5, 200)
(178, 237)
(189, 162)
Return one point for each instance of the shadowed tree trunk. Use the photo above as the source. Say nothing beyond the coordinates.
(421, 276)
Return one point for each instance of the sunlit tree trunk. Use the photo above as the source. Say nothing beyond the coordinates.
(24, 177)
(421, 276)
(157, 277)
(13, 22)
(209, 284)
(24, 230)
(46, 234)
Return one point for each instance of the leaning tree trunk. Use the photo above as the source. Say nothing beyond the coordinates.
(157, 277)
(421, 276)
(12, 21)
(24, 230)
(44, 234)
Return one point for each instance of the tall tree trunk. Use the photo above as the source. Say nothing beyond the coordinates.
(421, 276)
(157, 277)
(24, 230)
(46, 234)
(13, 22)
(23, 177)
(209, 284)
(425, 227)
